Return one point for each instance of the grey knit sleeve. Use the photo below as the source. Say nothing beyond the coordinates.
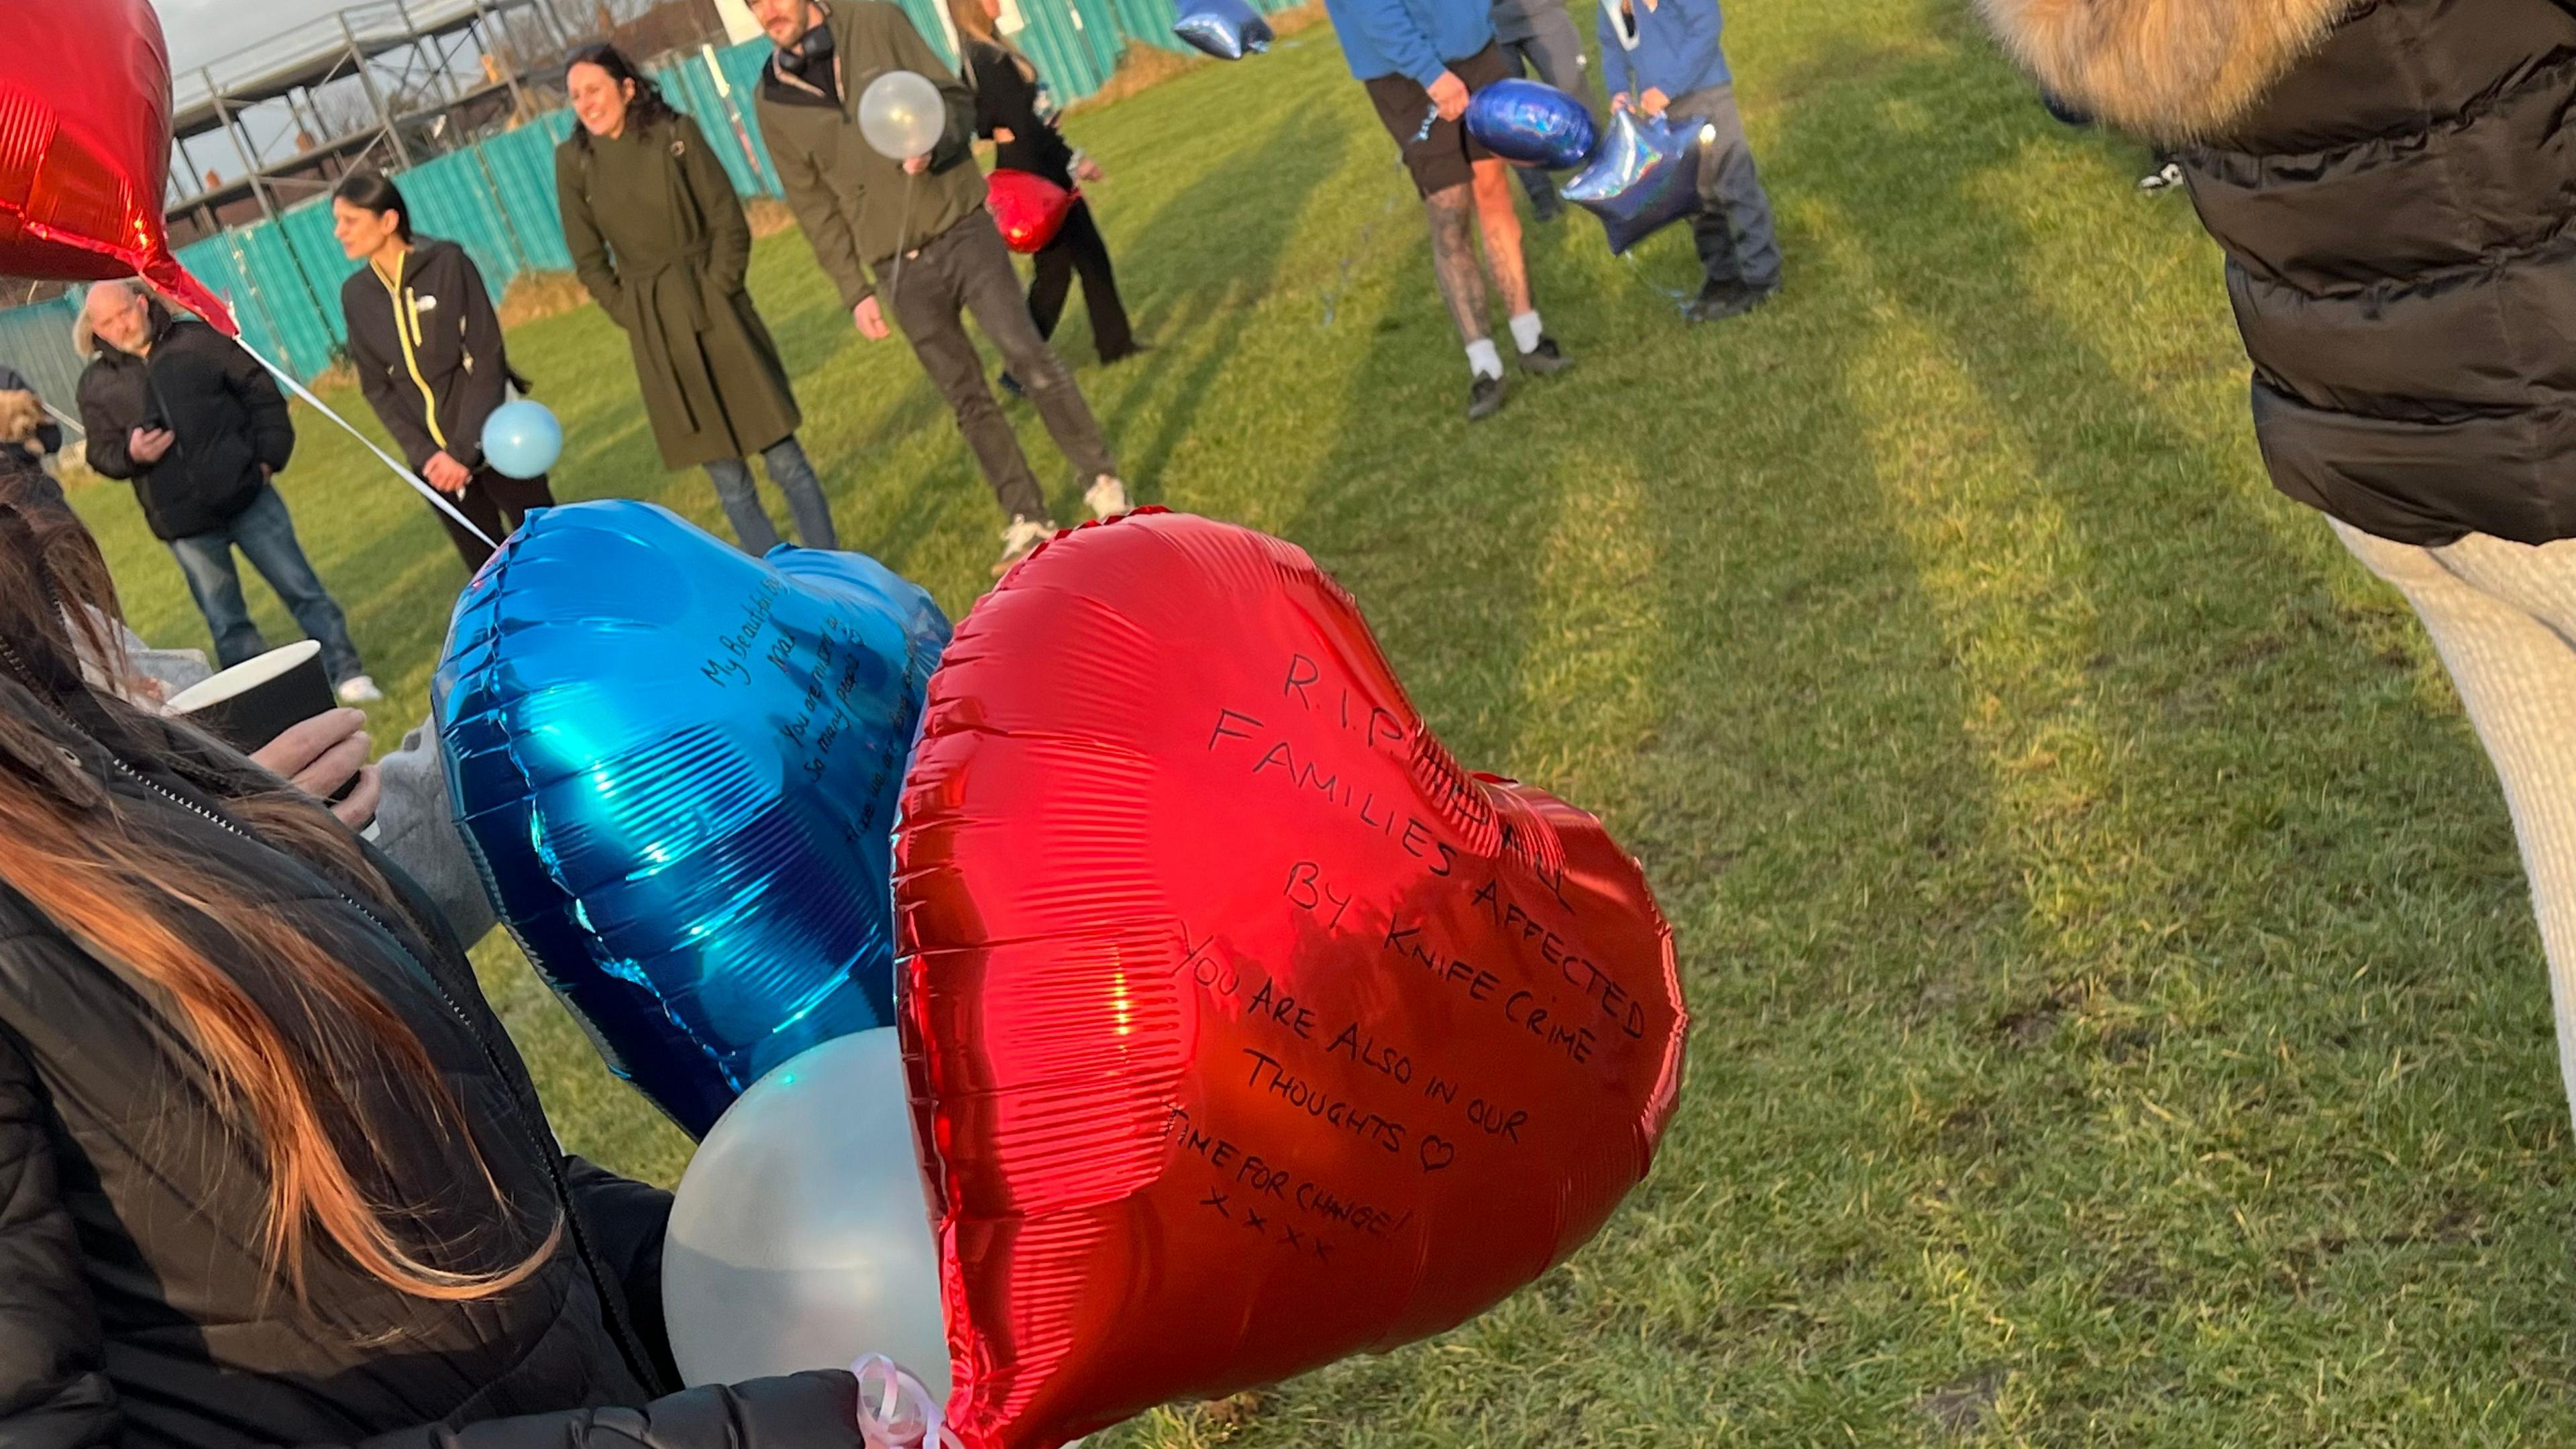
(416, 828)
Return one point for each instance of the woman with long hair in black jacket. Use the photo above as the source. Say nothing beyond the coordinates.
(1011, 112)
(270, 1171)
(426, 343)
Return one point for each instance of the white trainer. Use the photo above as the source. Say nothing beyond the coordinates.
(1018, 540)
(360, 689)
(1107, 497)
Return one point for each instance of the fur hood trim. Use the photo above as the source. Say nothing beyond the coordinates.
(2173, 69)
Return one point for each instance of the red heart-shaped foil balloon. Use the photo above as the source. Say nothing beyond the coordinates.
(85, 148)
(1027, 208)
(1246, 1030)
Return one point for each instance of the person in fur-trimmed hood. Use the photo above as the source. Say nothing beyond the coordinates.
(2392, 183)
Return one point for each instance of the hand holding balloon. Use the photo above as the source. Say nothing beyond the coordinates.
(870, 318)
(446, 474)
(1449, 96)
(1643, 176)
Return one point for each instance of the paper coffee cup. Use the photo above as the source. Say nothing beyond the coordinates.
(259, 699)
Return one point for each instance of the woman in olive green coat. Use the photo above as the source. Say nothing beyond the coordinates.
(659, 237)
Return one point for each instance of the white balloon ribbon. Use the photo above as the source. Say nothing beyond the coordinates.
(896, 1410)
(436, 499)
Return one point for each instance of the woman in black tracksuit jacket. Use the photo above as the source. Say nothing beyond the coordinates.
(1007, 112)
(427, 346)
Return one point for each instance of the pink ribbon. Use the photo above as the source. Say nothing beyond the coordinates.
(896, 1410)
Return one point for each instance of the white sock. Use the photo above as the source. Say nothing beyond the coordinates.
(1526, 331)
(1482, 359)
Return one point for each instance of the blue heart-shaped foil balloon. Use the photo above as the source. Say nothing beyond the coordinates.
(1643, 177)
(679, 767)
(1226, 29)
(1532, 123)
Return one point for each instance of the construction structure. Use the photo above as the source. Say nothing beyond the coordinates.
(383, 85)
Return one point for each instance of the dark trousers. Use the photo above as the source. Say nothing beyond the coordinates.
(1078, 247)
(1737, 244)
(498, 504)
(265, 534)
(967, 269)
(1552, 53)
(794, 474)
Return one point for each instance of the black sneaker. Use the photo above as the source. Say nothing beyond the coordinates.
(1011, 385)
(1484, 398)
(1718, 301)
(1546, 359)
(1546, 206)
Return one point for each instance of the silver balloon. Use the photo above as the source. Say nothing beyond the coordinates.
(902, 115)
(800, 1235)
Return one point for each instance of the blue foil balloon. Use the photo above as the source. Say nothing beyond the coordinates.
(1642, 178)
(1226, 29)
(522, 439)
(679, 767)
(1533, 124)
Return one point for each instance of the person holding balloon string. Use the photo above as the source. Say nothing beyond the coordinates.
(1671, 54)
(1010, 110)
(873, 139)
(427, 347)
(660, 240)
(1421, 61)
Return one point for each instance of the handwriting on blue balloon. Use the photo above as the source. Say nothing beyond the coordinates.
(679, 767)
(1226, 29)
(1533, 124)
(1643, 177)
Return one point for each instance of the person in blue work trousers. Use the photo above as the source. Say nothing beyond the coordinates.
(1667, 58)
(1420, 60)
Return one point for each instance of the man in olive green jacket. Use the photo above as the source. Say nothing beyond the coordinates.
(911, 239)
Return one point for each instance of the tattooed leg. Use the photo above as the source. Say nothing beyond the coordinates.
(1453, 259)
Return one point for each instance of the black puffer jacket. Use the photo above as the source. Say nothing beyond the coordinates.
(230, 423)
(2394, 183)
(133, 1309)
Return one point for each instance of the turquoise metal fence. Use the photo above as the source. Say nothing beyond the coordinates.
(497, 198)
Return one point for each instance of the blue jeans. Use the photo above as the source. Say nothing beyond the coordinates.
(795, 478)
(266, 535)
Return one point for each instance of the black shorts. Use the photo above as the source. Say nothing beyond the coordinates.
(1448, 155)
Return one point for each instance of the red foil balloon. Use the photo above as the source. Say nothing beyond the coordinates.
(1246, 1030)
(1028, 208)
(85, 148)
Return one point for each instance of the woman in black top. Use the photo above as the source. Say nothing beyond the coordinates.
(1011, 110)
(427, 347)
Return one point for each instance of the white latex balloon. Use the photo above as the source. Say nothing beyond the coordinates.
(902, 115)
(800, 1235)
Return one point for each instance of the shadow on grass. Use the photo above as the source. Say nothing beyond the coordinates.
(1220, 242)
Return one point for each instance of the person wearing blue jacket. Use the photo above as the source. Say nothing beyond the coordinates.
(1419, 61)
(1667, 58)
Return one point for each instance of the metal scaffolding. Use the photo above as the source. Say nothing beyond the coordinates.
(382, 84)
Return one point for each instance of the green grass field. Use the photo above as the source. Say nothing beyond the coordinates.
(2119, 1019)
